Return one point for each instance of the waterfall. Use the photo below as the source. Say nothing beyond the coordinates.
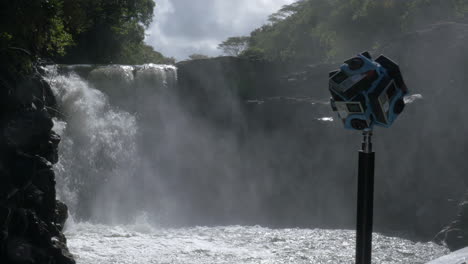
(135, 159)
(133, 143)
(99, 167)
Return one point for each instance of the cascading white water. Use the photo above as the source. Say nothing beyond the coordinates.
(98, 152)
(98, 145)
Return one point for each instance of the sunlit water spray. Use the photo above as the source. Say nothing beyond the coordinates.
(105, 178)
(98, 149)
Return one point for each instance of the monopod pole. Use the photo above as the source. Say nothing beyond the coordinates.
(365, 201)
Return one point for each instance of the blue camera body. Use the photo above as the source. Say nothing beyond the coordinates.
(367, 93)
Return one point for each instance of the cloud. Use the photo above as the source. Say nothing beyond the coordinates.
(184, 27)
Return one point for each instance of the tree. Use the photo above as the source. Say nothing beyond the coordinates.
(314, 31)
(28, 30)
(234, 46)
(78, 31)
(138, 53)
(105, 30)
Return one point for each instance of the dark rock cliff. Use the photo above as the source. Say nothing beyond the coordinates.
(31, 219)
(435, 61)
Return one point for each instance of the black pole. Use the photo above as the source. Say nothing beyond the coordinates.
(365, 201)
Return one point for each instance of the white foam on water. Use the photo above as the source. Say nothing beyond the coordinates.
(92, 243)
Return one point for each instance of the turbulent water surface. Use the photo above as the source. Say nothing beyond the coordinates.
(142, 244)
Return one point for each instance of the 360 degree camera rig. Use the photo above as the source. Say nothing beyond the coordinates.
(366, 93)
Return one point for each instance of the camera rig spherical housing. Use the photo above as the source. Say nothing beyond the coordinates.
(367, 93)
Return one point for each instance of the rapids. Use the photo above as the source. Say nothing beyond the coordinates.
(140, 243)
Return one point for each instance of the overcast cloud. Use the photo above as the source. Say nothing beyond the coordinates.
(184, 27)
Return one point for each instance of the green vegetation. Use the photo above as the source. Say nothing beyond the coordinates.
(109, 31)
(234, 46)
(312, 31)
(78, 31)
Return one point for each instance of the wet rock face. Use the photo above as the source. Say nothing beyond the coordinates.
(31, 219)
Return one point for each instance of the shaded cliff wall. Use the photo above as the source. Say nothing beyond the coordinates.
(31, 219)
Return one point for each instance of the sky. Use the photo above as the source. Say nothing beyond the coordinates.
(184, 27)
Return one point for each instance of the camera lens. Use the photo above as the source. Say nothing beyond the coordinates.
(399, 106)
(358, 124)
(355, 63)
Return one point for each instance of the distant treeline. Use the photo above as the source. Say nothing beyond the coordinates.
(76, 31)
(311, 31)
